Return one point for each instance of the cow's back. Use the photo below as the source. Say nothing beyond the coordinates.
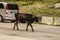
(23, 18)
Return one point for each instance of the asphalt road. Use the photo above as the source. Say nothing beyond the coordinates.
(41, 32)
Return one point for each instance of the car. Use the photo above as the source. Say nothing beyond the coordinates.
(7, 11)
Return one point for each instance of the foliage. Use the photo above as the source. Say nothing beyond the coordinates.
(32, 6)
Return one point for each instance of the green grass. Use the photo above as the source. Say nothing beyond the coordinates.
(38, 7)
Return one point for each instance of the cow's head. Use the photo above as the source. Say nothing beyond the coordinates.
(35, 18)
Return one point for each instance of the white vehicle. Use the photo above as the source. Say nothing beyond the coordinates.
(7, 11)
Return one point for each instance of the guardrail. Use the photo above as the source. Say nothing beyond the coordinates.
(50, 20)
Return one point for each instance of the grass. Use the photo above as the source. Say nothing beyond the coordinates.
(38, 8)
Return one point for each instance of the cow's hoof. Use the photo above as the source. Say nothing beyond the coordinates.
(26, 29)
(17, 29)
(32, 30)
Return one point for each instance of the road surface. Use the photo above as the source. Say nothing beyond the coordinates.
(41, 32)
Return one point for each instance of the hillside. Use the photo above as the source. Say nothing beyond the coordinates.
(37, 7)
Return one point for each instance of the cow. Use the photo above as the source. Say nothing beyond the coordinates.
(24, 18)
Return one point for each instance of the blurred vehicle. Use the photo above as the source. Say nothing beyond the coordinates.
(7, 11)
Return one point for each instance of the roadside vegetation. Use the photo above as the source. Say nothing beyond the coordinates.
(37, 7)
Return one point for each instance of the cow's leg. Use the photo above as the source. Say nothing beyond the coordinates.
(31, 27)
(17, 25)
(14, 25)
(27, 27)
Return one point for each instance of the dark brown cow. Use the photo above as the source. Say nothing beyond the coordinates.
(24, 18)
